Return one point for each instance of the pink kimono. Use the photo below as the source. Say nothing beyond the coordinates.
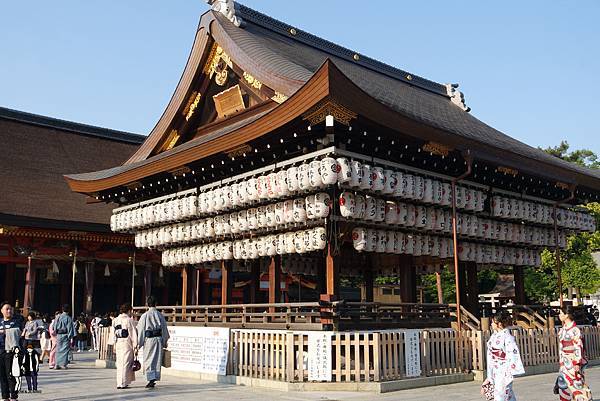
(54, 341)
(124, 348)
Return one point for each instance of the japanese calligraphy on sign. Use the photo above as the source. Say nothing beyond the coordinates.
(199, 349)
(412, 355)
(319, 356)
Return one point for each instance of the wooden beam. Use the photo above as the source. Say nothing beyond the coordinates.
(275, 280)
(332, 272)
(184, 286)
(438, 283)
(226, 281)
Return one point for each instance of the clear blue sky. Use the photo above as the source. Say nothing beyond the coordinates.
(529, 68)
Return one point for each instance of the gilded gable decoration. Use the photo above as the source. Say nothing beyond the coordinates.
(217, 64)
(328, 107)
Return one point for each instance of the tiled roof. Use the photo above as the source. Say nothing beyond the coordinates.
(70, 126)
(299, 56)
(37, 151)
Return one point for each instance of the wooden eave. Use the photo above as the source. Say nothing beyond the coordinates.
(315, 90)
(327, 83)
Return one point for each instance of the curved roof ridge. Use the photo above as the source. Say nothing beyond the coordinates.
(71, 126)
(250, 15)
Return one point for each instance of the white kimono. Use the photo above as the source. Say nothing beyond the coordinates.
(503, 362)
(124, 349)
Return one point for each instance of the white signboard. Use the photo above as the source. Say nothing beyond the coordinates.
(412, 354)
(319, 356)
(199, 349)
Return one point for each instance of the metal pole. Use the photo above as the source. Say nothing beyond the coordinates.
(74, 270)
(557, 247)
(133, 279)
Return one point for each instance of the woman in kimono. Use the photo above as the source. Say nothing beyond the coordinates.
(503, 360)
(571, 379)
(53, 341)
(152, 336)
(124, 338)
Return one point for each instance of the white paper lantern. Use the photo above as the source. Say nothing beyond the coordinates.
(319, 238)
(272, 189)
(381, 241)
(282, 184)
(347, 204)
(391, 213)
(321, 205)
(292, 179)
(391, 181)
(359, 239)
(279, 213)
(377, 179)
(371, 208)
(371, 240)
(242, 220)
(329, 171)
(428, 190)
(356, 173)
(366, 177)
(270, 209)
(304, 177)
(361, 207)
(299, 210)
(261, 216)
(344, 173)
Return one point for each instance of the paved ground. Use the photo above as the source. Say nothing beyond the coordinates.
(84, 382)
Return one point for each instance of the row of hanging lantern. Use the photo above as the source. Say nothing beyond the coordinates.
(429, 218)
(267, 217)
(511, 208)
(397, 242)
(308, 176)
(311, 176)
(301, 241)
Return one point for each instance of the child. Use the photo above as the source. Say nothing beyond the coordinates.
(31, 367)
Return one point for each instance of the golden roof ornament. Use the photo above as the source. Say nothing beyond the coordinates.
(227, 8)
(457, 96)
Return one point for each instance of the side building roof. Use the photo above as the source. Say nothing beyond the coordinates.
(37, 150)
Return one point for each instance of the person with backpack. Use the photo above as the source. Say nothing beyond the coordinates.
(82, 335)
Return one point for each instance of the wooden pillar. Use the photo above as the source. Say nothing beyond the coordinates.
(194, 285)
(438, 283)
(30, 279)
(147, 283)
(462, 279)
(9, 283)
(226, 281)
(89, 287)
(165, 289)
(470, 287)
(332, 273)
(519, 278)
(184, 286)
(275, 280)
(254, 281)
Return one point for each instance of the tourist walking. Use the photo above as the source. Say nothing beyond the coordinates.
(10, 334)
(152, 336)
(45, 339)
(571, 384)
(503, 361)
(124, 339)
(95, 329)
(82, 334)
(32, 331)
(65, 331)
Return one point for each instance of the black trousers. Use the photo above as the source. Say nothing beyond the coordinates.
(7, 382)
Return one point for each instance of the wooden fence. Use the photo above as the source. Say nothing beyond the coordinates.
(374, 356)
(106, 351)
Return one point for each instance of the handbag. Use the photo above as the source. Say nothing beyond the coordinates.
(136, 365)
(488, 391)
(166, 359)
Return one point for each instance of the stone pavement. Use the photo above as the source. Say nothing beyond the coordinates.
(85, 382)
